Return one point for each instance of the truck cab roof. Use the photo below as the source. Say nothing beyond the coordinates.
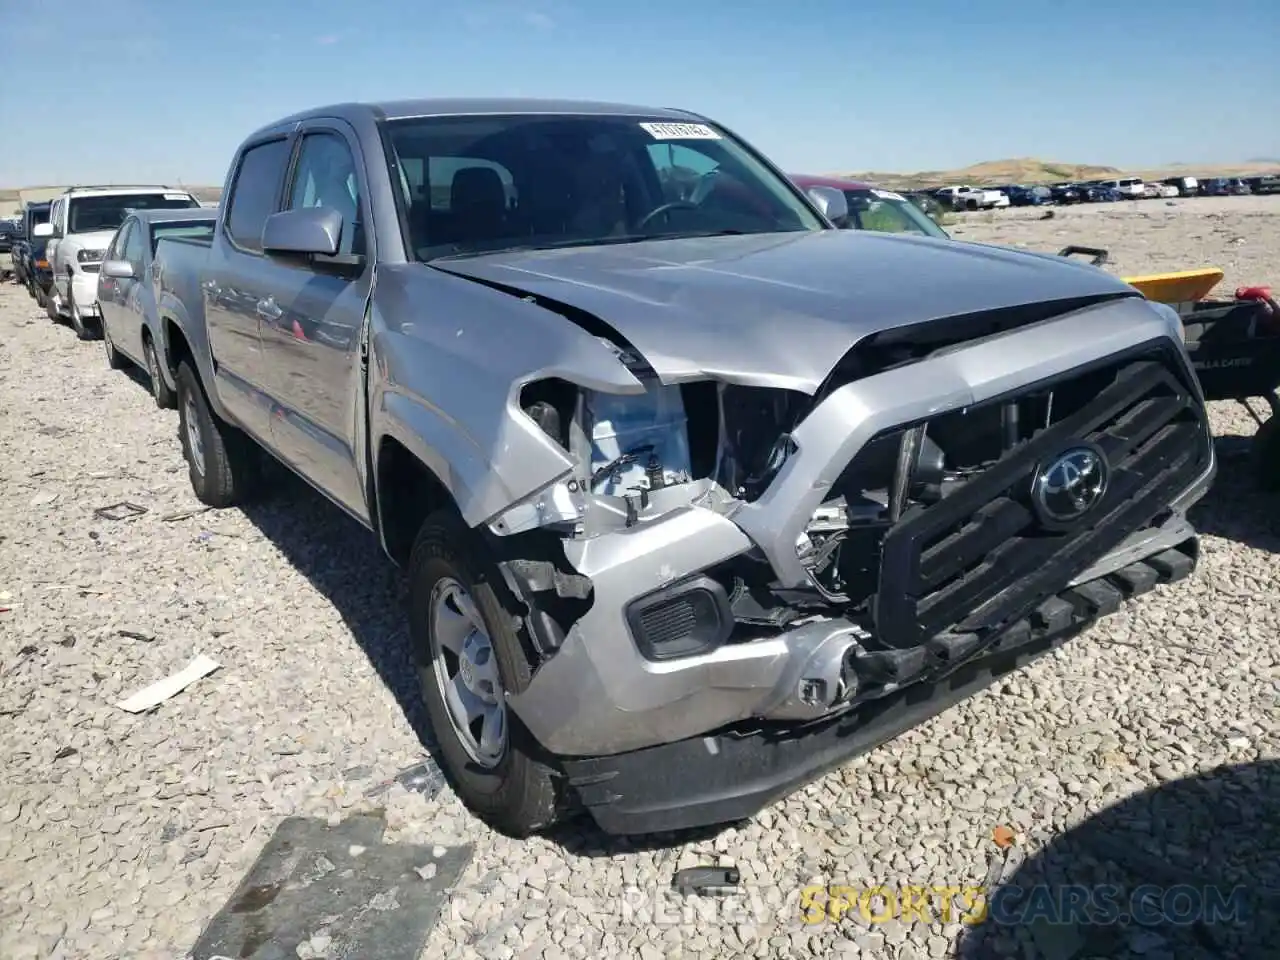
(478, 106)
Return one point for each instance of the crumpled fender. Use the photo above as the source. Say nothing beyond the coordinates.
(448, 359)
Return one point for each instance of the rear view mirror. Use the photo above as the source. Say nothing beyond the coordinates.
(118, 269)
(310, 231)
(42, 230)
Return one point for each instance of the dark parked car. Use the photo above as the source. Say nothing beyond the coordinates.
(1267, 183)
(1101, 193)
(1067, 193)
(35, 274)
(9, 235)
(1027, 196)
(1222, 187)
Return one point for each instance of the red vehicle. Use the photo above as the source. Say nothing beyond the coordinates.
(871, 208)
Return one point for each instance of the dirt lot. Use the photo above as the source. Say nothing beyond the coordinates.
(121, 835)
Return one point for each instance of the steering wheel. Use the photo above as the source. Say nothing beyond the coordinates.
(665, 208)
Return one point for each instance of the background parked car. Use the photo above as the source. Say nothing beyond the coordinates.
(1157, 191)
(1267, 183)
(39, 278)
(1024, 196)
(126, 291)
(1066, 193)
(1098, 192)
(82, 222)
(871, 208)
(1186, 186)
(1128, 188)
(971, 198)
(927, 203)
(8, 236)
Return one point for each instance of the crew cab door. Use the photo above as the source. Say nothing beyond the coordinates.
(313, 321)
(237, 284)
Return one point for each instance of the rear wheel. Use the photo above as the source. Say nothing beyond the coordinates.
(221, 461)
(462, 623)
(164, 396)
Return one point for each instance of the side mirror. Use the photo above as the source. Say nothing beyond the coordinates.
(831, 202)
(311, 231)
(118, 270)
(42, 230)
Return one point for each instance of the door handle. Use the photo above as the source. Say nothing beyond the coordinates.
(268, 310)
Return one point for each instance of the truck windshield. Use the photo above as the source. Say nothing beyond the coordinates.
(481, 184)
(88, 214)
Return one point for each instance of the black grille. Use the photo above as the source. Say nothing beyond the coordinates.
(979, 559)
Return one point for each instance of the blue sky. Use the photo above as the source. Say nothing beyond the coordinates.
(155, 90)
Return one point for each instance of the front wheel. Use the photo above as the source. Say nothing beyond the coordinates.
(221, 461)
(468, 654)
(77, 321)
(115, 359)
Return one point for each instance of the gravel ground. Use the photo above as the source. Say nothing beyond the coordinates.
(121, 835)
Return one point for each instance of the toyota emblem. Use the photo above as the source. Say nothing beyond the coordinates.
(1070, 485)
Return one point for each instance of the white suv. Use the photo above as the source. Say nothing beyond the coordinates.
(1129, 187)
(82, 221)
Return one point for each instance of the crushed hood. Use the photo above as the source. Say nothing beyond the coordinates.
(779, 310)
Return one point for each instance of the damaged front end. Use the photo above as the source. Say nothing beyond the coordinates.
(723, 554)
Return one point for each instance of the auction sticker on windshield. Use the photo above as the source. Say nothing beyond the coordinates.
(887, 195)
(680, 131)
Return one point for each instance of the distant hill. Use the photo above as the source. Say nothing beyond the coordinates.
(1018, 170)
(1033, 170)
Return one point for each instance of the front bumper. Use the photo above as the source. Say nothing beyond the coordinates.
(85, 287)
(599, 696)
(734, 773)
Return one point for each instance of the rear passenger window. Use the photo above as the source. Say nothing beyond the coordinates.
(254, 192)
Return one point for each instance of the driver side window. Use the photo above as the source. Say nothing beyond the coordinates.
(116, 250)
(680, 168)
(326, 177)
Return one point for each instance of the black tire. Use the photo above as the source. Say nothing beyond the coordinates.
(115, 359)
(164, 396)
(230, 470)
(518, 796)
(1264, 455)
(50, 309)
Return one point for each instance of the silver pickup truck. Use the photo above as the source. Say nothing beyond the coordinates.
(697, 495)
